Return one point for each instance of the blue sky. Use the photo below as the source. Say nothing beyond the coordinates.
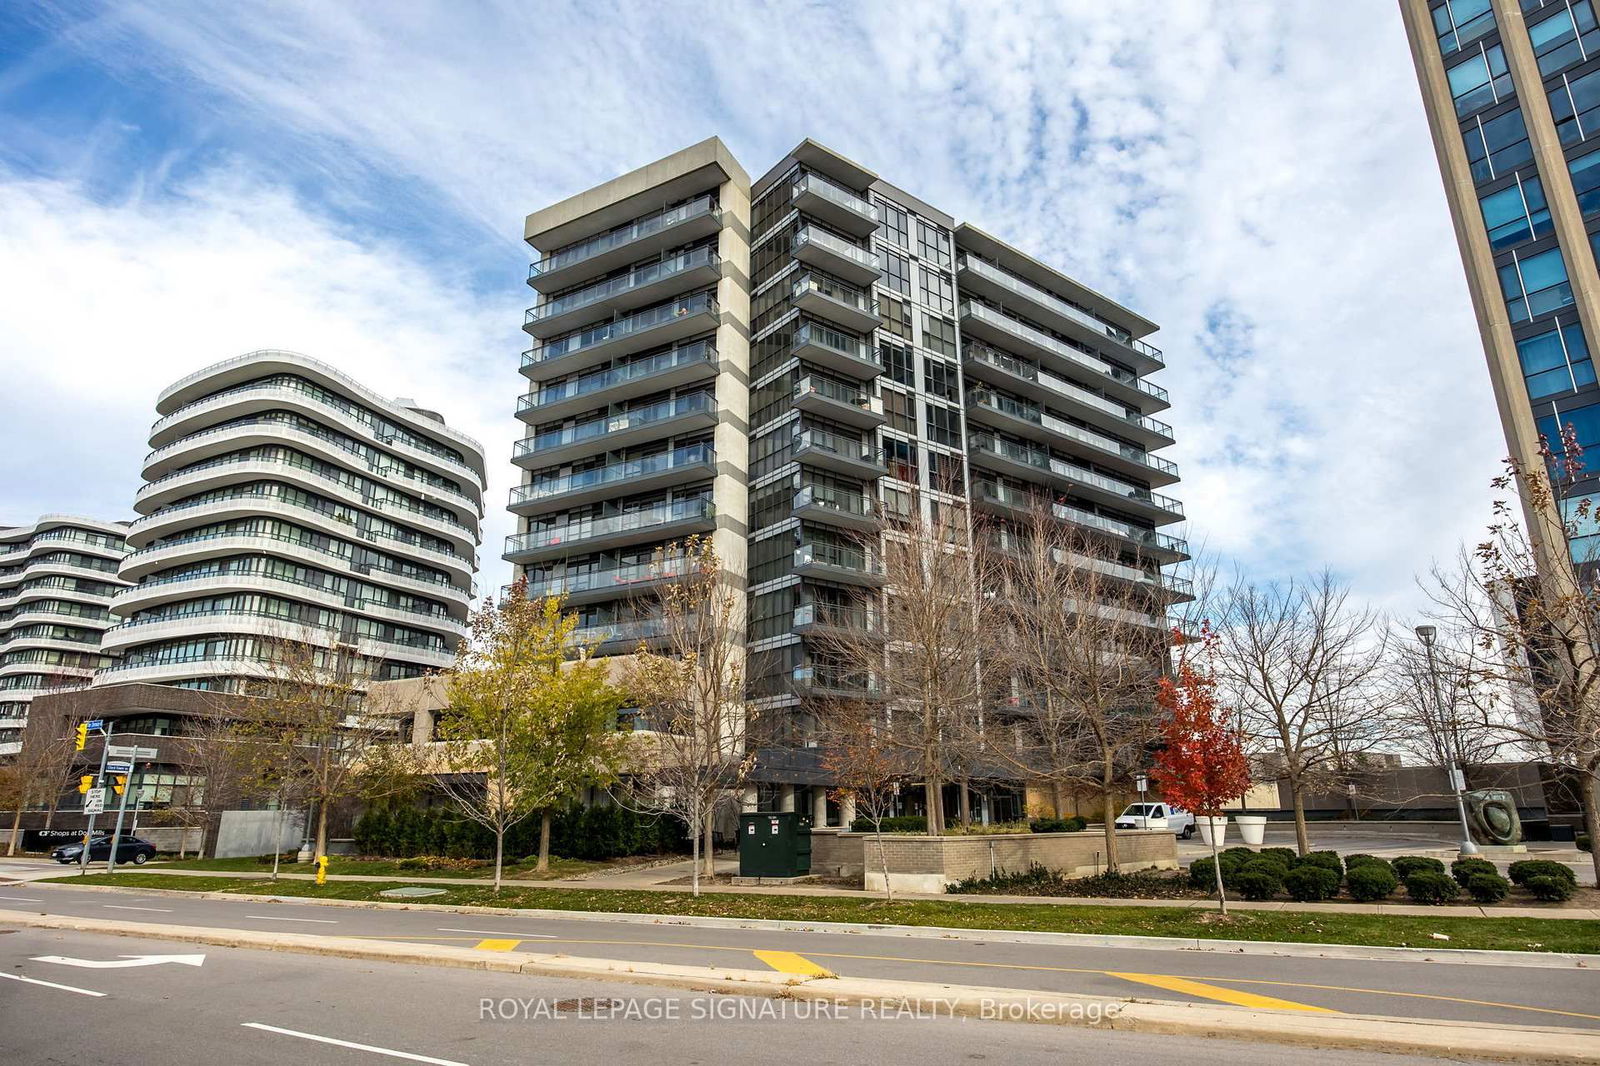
(182, 182)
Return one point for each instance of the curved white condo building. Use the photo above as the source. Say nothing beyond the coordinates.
(285, 501)
(57, 576)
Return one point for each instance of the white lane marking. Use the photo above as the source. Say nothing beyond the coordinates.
(115, 907)
(52, 984)
(122, 961)
(23, 899)
(499, 932)
(351, 1044)
(274, 918)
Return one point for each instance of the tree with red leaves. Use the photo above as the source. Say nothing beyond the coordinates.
(1202, 764)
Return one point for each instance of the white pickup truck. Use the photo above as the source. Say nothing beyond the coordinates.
(1157, 816)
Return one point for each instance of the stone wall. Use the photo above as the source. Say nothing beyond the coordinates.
(929, 864)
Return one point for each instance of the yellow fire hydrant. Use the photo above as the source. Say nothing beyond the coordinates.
(322, 869)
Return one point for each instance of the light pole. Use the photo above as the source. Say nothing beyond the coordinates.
(1458, 777)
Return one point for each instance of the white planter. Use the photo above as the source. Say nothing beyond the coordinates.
(1252, 828)
(1210, 826)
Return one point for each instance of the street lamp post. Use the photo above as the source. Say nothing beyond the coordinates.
(1458, 776)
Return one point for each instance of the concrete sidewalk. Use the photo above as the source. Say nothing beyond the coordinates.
(1558, 913)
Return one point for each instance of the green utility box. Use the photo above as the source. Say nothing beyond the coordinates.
(775, 844)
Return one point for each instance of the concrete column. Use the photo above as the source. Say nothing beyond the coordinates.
(847, 811)
(422, 726)
(819, 807)
(786, 797)
(747, 800)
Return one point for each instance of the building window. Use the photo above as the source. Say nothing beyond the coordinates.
(944, 425)
(1459, 22)
(1557, 361)
(892, 314)
(897, 272)
(1573, 104)
(1480, 80)
(939, 335)
(1536, 285)
(1497, 146)
(933, 244)
(1516, 214)
(1586, 182)
(892, 224)
(899, 409)
(938, 291)
(1585, 423)
(940, 379)
(897, 364)
(901, 457)
(1565, 38)
(946, 474)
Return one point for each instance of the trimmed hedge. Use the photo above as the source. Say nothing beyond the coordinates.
(904, 823)
(598, 832)
(1328, 860)
(1406, 865)
(1429, 886)
(1525, 870)
(1073, 824)
(1311, 883)
(1547, 889)
(1288, 855)
(1258, 881)
(1487, 888)
(1370, 882)
(1464, 870)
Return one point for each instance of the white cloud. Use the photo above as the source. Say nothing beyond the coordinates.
(1263, 162)
(109, 303)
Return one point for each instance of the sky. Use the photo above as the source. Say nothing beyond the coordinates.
(182, 182)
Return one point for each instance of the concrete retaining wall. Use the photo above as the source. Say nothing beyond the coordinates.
(930, 864)
(169, 837)
(246, 833)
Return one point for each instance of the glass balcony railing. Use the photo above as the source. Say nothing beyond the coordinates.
(612, 578)
(638, 229)
(815, 334)
(613, 474)
(849, 504)
(1021, 368)
(835, 291)
(636, 278)
(627, 326)
(818, 185)
(836, 616)
(610, 632)
(1026, 412)
(1000, 276)
(600, 381)
(837, 444)
(662, 514)
(661, 411)
(826, 679)
(1043, 460)
(1127, 530)
(837, 557)
(1061, 348)
(838, 246)
(850, 396)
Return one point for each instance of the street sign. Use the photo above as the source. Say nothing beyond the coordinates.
(96, 723)
(119, 767)
(94, 801)
(131, 754)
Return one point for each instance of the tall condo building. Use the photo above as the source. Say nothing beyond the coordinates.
(57, 576)
(284, 501)
(780, 364)
(1512, 96)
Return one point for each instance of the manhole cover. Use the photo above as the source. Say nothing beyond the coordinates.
(567, 1006)
(413, 892)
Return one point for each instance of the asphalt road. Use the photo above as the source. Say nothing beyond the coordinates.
(1556, 997)
(244, 1007)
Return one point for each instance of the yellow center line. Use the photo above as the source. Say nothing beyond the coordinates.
(1226, 995)
(789, 962)
(497, 945)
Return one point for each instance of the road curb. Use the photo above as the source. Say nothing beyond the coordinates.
(1348, 1031)
(1451, 956)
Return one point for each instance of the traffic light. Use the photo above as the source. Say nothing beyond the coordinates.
(119, 782)
(83, 736)
(85, 783)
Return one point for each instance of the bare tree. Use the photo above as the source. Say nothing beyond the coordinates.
(1444, 710)
(689, 685)
(1077, 671)
(1302, 667)
(921, 651)
(866, 766)
(38, 773)
(233, 762)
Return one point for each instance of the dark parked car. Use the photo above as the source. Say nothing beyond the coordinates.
(129, 849)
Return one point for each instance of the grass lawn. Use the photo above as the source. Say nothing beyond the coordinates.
(559, 867)
(1507, 934)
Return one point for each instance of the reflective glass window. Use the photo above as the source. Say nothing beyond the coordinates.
(1497, 146)
(1458, 22)
(1555, 361)
(1535, 285)
(1516, 214)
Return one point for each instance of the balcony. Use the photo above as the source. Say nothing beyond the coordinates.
(665, 323)
(847, 566)
(833, 507)
(838, 402)
(835, 205)
(1162, 547)
(1029, 421)
(677, 368)
(677, 467)
(681, 414)
(835, 302)
(837, 256)
(985, 279)
(847, 354)
(841, 454)
(663, 522)
(836, 618)
(629, 243)
(644, 284)
(610, 583)
(610, 638)
(1006, 371)
(985, 323)
(1033, 464)
(822, 682)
